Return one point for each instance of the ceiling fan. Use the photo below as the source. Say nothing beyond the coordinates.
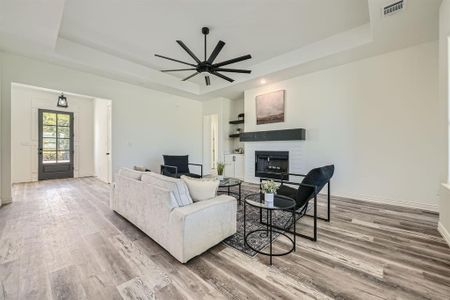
(208, 64)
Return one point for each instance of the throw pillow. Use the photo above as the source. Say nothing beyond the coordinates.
(201, 189)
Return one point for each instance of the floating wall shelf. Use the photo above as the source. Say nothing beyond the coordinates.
(297, 134)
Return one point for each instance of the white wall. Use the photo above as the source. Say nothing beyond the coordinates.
(145, 123)
(375, 119)
(444, 117)
(26, 102)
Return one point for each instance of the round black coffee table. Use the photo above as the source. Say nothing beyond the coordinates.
(228, 183)
(279, 203)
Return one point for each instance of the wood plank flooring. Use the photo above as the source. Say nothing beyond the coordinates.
(60, 240)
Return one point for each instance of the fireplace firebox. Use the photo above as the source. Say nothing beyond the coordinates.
(272, 164)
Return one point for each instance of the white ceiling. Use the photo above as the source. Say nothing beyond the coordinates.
(118, 38)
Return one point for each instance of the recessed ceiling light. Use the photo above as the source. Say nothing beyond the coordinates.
(262, 81)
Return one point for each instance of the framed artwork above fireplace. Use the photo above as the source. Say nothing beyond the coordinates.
(270, 107)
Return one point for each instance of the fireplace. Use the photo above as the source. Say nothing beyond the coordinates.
(271, 164)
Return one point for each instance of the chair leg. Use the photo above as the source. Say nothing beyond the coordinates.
(315, 218)
(294, 232)
(329, 201)
(328, 218)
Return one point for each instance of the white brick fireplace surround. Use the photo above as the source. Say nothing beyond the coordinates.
(296, 156)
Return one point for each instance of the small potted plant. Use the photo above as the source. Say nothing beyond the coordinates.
(220, 168)
(269, 188)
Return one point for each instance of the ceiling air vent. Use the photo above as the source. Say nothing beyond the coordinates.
(393, 8)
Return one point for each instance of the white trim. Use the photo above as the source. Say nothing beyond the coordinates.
(445, 234)
(408, 204)
(4, 201)
(446, 185)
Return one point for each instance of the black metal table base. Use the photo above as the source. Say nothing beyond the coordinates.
(228, 191)
(269, 230)
(270, 253)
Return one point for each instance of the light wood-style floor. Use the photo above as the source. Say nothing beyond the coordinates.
(60, 240)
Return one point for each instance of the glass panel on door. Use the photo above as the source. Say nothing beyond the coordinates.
(55, 144)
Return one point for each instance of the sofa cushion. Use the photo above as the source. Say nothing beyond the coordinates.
(174, 185)
(133, 174)
(201, 189)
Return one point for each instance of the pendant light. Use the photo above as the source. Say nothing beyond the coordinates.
(62, 101)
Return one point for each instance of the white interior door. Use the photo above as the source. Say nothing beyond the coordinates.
(206, 144)
(103, 153)
(210, 143)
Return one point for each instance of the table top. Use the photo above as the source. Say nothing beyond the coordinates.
(279, 202)
(229, 182)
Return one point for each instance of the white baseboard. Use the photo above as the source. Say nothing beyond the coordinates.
(444, 232)
(408, 204)
(424, 206)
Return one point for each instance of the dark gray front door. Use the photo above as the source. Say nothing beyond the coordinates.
(55, 144)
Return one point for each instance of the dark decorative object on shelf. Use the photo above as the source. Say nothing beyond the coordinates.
(208, 65)
(274, 135)
(62, 101)
(234, 135)
(240, 119)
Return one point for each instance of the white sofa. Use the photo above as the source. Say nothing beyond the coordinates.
(184, 232)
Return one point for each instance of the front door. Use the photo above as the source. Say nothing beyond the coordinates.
(55, 144)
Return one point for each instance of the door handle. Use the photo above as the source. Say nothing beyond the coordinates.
(107, 153)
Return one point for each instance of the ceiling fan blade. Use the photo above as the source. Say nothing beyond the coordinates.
(233, 70)
(176, 70)
(176, 60)
(232, 61)
(222, 76)
(208, 82)
(190, 76)
(188, 51)
(216, 51)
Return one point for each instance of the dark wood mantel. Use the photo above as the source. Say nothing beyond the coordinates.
(297, 134)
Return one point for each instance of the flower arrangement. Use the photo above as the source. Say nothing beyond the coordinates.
(269, 187)
(220, 168)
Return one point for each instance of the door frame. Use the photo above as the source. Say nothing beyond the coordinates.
(42, 176)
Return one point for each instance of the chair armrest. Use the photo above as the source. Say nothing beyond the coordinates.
(163, 167)
(198, 165)
(195, 228)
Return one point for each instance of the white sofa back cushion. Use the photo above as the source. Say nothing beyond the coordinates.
(201, 189)
(133, 174)
(176, 186)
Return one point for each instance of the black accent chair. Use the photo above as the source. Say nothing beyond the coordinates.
(178, 165)
(307, 190)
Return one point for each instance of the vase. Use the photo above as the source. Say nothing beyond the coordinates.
(268, 198)
(221, 177)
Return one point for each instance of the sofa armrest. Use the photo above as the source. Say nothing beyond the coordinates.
(199, 226)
